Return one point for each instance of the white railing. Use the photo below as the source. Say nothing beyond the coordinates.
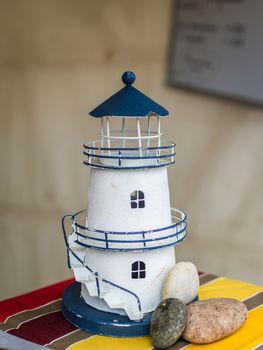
(169, 235)
(154, 153)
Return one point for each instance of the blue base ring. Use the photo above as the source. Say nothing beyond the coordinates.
(92, 320)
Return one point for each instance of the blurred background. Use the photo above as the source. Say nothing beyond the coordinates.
(58, 60)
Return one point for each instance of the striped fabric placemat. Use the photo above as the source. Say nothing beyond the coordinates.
(37, 317)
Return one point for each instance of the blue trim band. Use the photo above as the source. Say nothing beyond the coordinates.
(120, 157)
(92, 165)
(171, 145)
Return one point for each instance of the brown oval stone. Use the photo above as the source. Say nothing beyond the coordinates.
(213, 319)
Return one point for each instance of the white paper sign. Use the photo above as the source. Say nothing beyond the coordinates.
(217, 47)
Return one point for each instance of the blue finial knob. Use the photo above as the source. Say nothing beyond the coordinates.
(128, 78)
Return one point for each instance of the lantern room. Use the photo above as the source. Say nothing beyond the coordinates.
(137, 143)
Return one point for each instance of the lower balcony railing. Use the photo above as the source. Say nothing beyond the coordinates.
(172, 234)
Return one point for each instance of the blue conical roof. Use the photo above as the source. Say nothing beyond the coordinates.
(129, 102)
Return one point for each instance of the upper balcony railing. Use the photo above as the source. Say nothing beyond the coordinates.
(129, 152)
(169, 235)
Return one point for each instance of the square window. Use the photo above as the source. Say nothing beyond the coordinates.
(137, 199)
(138, 270)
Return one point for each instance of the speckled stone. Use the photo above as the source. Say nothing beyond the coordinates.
(168, 322)
(182, 282)
(213, 319)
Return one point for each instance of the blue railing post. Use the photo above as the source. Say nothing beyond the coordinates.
(143, 236)
(106, 240)
(97, 283)
(119, 158)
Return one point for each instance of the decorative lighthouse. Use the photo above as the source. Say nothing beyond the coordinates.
(122, 247)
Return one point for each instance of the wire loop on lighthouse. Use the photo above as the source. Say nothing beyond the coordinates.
(150, 155)
(93, 238)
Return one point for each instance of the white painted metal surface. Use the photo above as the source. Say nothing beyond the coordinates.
(117, 268)
(109, 203)
(129, 212)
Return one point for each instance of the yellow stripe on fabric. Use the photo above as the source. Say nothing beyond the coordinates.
(247, 338)
(250, 335)
(98, 342)
(228, 288)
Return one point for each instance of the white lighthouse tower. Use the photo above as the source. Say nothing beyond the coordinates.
(122, 247)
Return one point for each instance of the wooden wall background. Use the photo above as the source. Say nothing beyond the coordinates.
(58, 59)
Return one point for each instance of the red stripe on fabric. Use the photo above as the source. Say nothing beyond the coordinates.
(44, 329)
(32, 300)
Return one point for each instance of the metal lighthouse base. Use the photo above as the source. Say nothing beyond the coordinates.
(78, 311)
(92, 320)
